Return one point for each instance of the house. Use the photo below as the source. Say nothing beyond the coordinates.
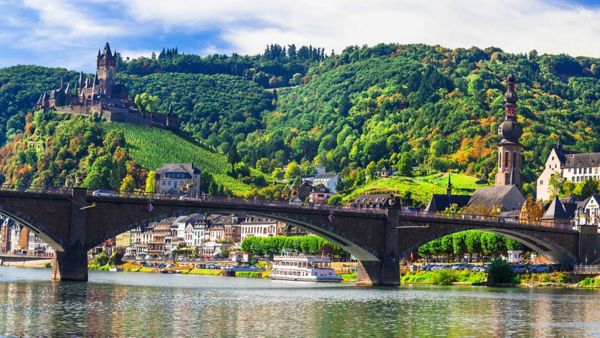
(196, 232)
(588, 211)
(571, 167)
(161, 230)
(123, 240)
(178, 178)
(384, 172)
(303, 190)
(329, 180)
(320, 194)
(216, 233)
(556, 214)
(497, 199)
(232, 230)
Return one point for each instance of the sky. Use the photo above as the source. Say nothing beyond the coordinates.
(67, 34)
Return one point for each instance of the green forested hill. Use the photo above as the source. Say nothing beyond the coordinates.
(391, 105)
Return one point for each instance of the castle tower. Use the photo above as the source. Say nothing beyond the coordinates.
(106, 70)
(509, 148)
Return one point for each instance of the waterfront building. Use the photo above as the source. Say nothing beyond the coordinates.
(123, 240)
(178, 178)
(195, 234)
(556, 213)
(497, 199)
(258, 227)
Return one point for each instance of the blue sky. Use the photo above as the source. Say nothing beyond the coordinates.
(68, 33)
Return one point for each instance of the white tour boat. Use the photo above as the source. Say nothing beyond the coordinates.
(303, 268)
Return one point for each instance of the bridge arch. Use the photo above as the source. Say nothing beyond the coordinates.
(41, 231)
(546, 247)
(351, 245)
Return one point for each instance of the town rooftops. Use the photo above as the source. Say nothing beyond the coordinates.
(186, 168)
(508, 197)
(439, 202)
(582, 160)
(556, 210)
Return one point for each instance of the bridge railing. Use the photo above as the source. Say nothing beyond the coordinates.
(587, 269)
(485, 218)
(38, 189)
(229, 200)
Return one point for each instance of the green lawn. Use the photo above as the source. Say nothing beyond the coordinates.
(153, 147)
(421, 187)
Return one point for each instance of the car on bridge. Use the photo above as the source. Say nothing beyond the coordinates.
(103, 192)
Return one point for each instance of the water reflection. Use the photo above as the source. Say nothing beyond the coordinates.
(122, 304)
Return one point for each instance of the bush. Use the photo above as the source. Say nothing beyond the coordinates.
(500, 273)
(48, 265)
(442, 277)
(251, 274)
(589, 282)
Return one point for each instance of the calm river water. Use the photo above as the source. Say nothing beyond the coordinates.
(137, 304)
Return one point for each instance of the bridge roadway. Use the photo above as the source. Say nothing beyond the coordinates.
(73, 221)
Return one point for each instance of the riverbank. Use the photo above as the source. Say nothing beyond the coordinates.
(37, 263)
(535, 280)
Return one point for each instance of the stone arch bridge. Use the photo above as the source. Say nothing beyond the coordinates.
(74, 221)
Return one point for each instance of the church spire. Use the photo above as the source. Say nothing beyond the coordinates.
(449, 186)
(509, 147)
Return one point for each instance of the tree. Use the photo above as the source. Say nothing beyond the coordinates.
(293, 170)
(500, 273)
(233, 157)
(128, 184)
(146, 103)
(405, 165)
(150, 182)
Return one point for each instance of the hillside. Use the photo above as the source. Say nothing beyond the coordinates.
(153, 147)
(420, 188)
(57, 148)
(428, 107)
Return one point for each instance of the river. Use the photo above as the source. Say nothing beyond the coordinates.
(138, 304)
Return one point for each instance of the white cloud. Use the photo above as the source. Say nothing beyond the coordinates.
(513, 25)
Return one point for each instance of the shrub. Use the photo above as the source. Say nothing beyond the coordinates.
(48, 265)
(500, 273)
(251, 274)
(544, 278)
(442, 277)
(589, 282)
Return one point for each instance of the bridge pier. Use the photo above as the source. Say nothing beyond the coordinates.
(71, 263)
(385, 272)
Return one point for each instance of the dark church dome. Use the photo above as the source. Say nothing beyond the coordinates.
(510, 130)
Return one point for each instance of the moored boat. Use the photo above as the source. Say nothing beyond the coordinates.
(303, 268)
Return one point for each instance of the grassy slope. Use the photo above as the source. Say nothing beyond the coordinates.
(421, 188)
(153, 147)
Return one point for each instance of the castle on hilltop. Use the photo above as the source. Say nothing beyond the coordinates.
(102, 96)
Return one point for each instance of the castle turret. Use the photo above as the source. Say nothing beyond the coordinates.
(509, 148)
(106, 70)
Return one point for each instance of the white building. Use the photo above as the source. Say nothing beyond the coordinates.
(195, 234)
(329, 180)
(588, 211)
(574, 168)
(178, 178)
(258, 227)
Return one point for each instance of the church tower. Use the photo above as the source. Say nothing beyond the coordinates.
(509, 148)
(106, 70)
